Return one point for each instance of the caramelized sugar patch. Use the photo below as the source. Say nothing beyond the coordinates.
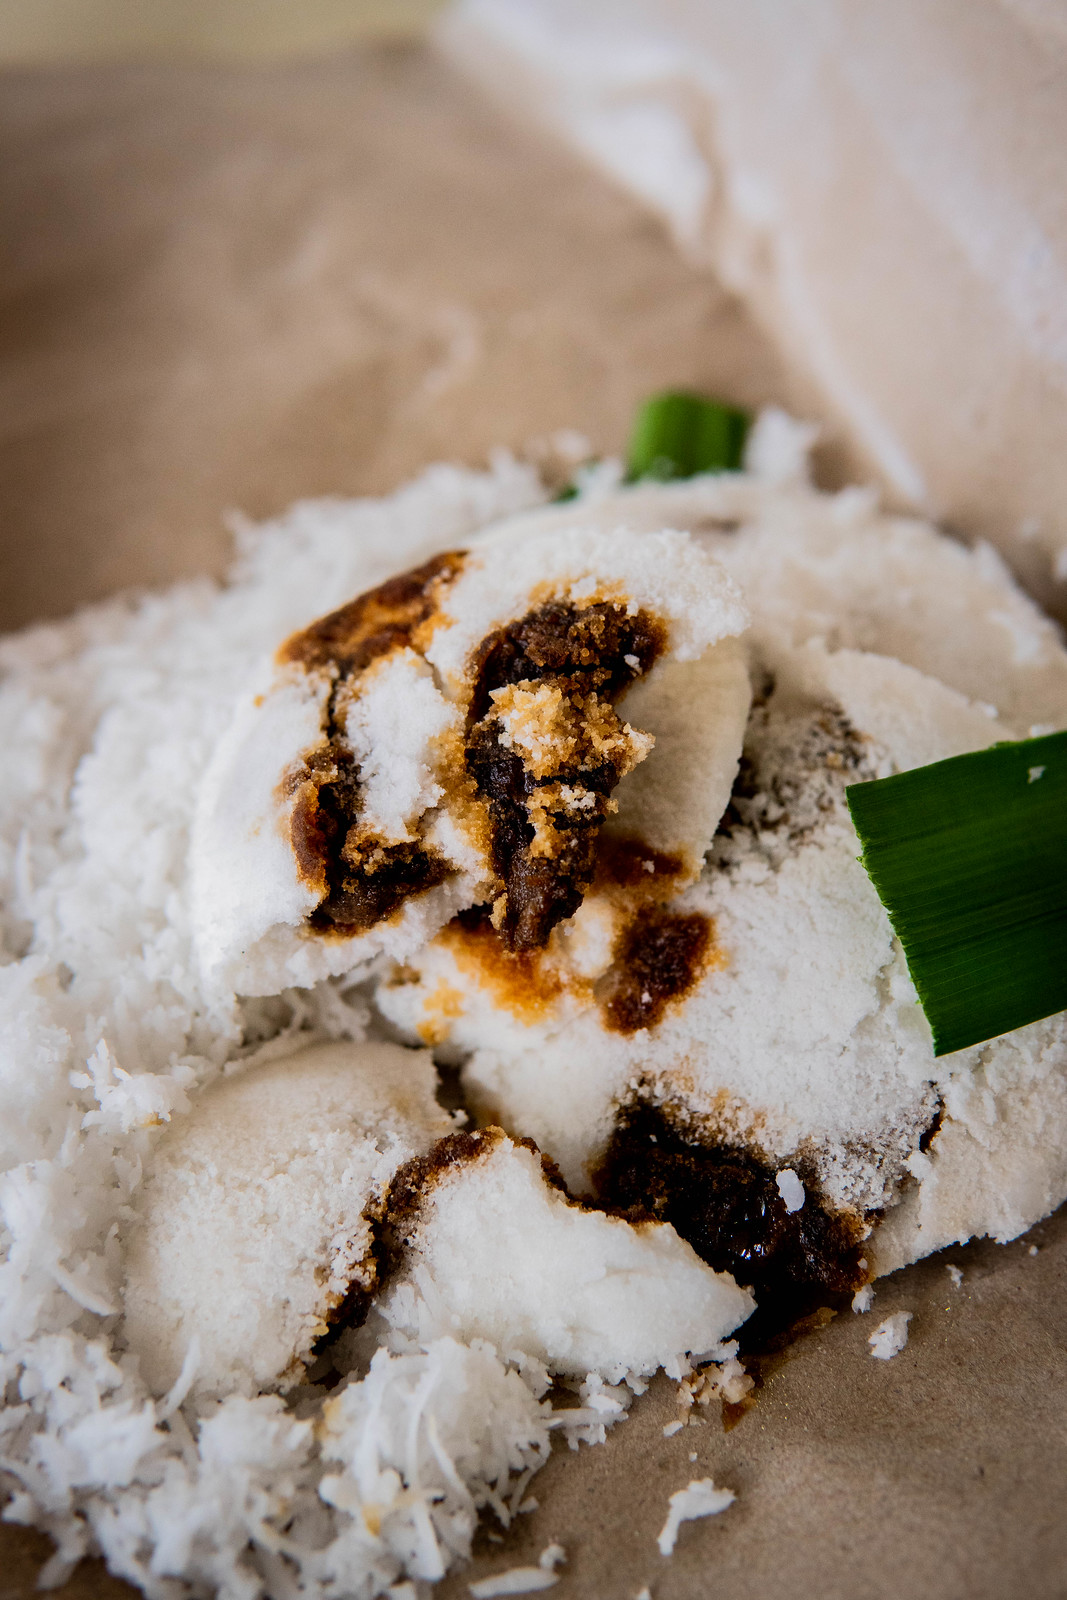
(724, 1200)
(625, 861)
(659, 956)
(522, 982)
(376, 622)
(546, 748)
(360, 880)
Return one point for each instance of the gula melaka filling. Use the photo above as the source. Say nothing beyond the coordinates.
(546, 748)
(453, 738)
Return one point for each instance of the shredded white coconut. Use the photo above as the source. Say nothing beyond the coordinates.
(699, 1498)
(790, 1188)
(955, 1274)
(863, 1298)
(890, 1336)
(516, 1580)
(111, 1041)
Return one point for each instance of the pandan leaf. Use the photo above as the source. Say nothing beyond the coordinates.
(678, 435)
(969, 858)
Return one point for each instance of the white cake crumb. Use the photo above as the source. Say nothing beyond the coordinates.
(791, 1189)
(955, 1274)
(890, 1336)
(861, 1300)
(1032, 1250)
(671, 1428)
(644, 1593)
(516, 1580)
(692, 1455)
(551, 1557)
(699, 1498)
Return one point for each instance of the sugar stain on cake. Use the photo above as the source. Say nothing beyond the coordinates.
(542, 752)
(659, 956)
(361, 880)
(395, 614)
(724, 1200)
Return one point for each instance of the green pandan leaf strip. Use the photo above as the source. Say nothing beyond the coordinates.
(969, 858)
(677, 435)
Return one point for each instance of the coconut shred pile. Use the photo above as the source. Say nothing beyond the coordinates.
(555, 793)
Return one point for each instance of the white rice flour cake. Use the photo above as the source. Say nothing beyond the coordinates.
(264, 1217)
(254, 1229)
(494, 1250)
(503, 793)
(452, 737)
(682, 1050)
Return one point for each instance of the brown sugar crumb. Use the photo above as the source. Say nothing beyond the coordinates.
(658, 958)
(724, 1200)
(376, 622)
(546, 748)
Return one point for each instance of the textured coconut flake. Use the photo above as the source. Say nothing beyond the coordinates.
(890, 1336)
(517, 1580)
(790, 1188)
(699, 1498)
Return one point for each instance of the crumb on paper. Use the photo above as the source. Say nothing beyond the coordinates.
(727, 1381)
(516, 1580)
(692, 1455)
(791, 1189)
(699, 1498)
(890, 1336)
(671, 1428)
(955, 1274)
(551, 1557)
(1032, 1250)
(861, 1300)
(644, 1593)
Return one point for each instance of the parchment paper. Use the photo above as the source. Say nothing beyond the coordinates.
(225, 289)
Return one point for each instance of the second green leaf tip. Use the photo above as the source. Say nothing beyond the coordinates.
(677, 435)
(969, 858)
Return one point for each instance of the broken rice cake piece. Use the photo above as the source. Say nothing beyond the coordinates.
(298, 1190)
(494, 1249)
(455, 737)
(254, 1228)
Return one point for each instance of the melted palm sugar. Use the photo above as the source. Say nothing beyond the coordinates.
(546, 748)
(361, 880)
(724, 1200)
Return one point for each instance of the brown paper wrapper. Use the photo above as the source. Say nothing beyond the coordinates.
(225, 289)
